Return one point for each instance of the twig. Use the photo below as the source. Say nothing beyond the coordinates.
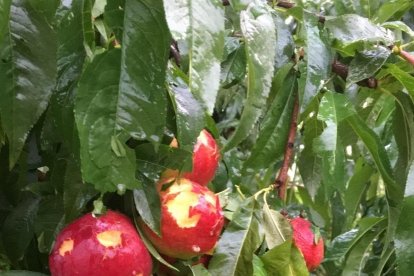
(281, 180)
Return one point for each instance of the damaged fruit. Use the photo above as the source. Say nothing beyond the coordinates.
(191, 220)
(206, 155)
(104, 245)
(311, 245)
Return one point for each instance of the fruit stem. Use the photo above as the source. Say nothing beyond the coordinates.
(280, 183)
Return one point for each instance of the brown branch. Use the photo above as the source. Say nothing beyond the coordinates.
(282, 178)
(342, 70)
(407, 56)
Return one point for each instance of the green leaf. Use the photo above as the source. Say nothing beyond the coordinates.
(113, 16)
(404, 243)
(333, 109)
(399, 25)
(356, 188)
(318, 60)
(76, 193)
(343, 243)
(352, 32)
(258, 267)
(199, 270)
(18, 228)
(236, 247)
(403, 77)
(234, 67)
(358, 256)
(276, 227)
(259, 34)
(285, 260)
(49, 221)
(277, 259)
(142, 101)
(27, 71)
(392, 9)
(96, 118)
(201, 25)
(284, 42)
(367, 63)
(98, 8)
(147, 203)
(189, 113)
(271, 142)
(378, 153)
(88, 28)
(310, 163)
(164, 157)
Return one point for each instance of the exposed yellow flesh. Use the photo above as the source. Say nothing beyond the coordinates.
(66, 246)
(110, 238)
(179, 207)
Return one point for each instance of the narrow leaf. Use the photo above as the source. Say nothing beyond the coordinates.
(201, 24)
(403, 77)
(18, 228)
(404, 244)
(188, 111)
(351, 32)
(270, 144)
(235, 249)
(258, 31)
(318, 60)
(367, 63)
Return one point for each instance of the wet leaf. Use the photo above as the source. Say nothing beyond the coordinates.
(317, 58)
(357, 186)
(367, 63)
(258, 31)
(285, 260)
(27, 71)
(276, 227)
(147, 203)
(18, 228)
(114, 15)
(201, 25)
(403, 77)
(271, 141)
(392, 9)
(399, 25)
(199, 270)
(403, 236)
(352, 32)
(235, 249)
(188, 111)
(96, 118)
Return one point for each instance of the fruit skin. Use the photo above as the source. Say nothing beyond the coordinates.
(105, 245)
(191, 220)
(206, 156)
(304, 240)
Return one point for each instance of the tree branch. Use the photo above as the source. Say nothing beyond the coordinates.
(175, 53)
(281, 180)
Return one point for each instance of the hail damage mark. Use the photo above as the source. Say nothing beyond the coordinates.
(110, 238)
(66, 247)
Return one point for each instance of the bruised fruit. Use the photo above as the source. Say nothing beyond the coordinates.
(206, 155)
(312, 248)
(104, 245)
(191, 220)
